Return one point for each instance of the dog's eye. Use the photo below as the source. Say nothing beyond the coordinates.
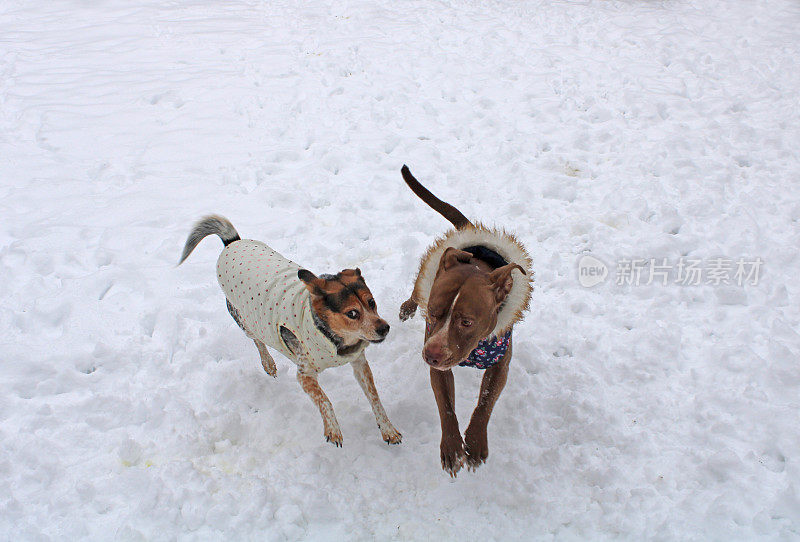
(371, 304)
(353, 314)
(465, 322)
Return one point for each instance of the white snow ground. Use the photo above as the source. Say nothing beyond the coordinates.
(132, 407)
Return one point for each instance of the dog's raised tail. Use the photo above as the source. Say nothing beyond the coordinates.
(212, 224)
(443, 208)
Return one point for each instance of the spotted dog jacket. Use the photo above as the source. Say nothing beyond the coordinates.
(266, 293)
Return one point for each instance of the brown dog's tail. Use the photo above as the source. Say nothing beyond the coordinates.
(443, 208)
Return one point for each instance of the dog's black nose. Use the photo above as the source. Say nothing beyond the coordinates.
(383, 330)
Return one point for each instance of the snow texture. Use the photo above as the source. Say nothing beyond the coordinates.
(133, 408)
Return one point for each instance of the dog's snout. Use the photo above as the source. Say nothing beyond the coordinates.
(383, 329)
(433, 356)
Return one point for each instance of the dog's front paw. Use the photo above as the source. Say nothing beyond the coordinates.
(391, 435)
(476, 447)
(334, 435)
(452, 454)
(407, 309)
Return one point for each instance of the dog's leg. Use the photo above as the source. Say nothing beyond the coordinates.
(307, 378)
(266, 359)
(451, 447)
(475, 437)
(236, 317)
(408, 309)
(363, 374)
(310, 385)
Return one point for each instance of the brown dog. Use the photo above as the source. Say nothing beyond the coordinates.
(471, 301)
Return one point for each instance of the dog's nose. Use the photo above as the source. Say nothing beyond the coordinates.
(383, 330)
(432, 356)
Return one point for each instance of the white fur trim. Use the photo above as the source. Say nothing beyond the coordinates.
(500, 241)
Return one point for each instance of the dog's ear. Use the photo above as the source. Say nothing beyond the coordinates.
(351, 273)
(314, 284)
(453, 256)
(502, 281)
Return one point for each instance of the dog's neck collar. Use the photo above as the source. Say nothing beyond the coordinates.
(341, 349)
(487, 255)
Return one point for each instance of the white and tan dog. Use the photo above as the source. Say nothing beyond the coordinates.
(317, 322)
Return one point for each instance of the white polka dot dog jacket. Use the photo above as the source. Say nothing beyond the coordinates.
(264, 289)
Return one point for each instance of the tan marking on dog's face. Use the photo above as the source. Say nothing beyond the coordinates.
(346, 304)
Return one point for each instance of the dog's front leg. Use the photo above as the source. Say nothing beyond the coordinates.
(363, 374)
(408, 309)
(308, 381)
(451, 448)
(476, 441)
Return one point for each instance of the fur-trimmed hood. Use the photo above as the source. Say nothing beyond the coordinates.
(500, 241)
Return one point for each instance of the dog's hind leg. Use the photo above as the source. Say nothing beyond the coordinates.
(266, 359)
(236, 317)
(408, 309)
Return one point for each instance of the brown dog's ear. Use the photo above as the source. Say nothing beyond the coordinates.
(314, 284)
(453, 256)
(502, 281)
